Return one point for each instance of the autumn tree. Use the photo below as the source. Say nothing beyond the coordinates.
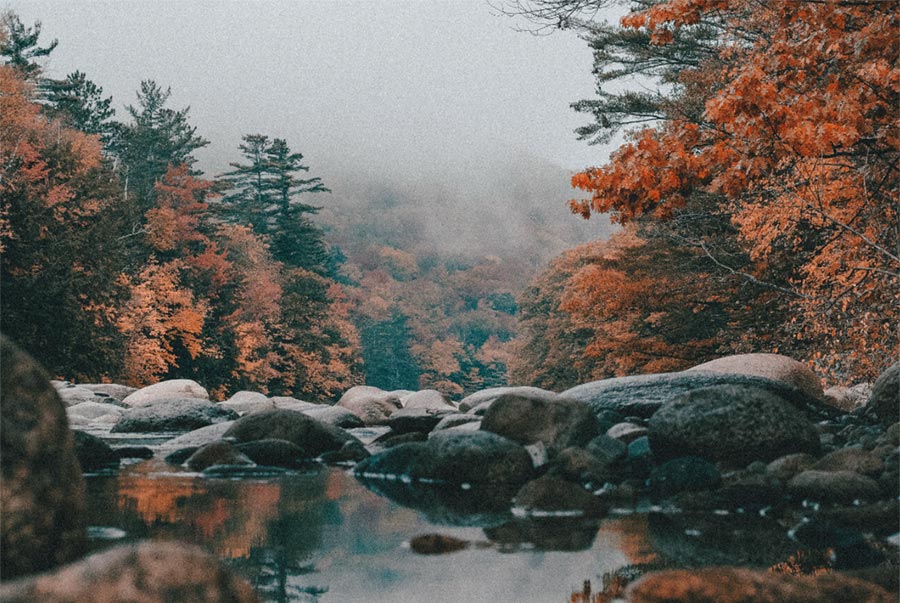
(779, 118)
(59, 237)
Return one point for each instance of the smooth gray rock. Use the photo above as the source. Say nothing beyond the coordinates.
(885, 398)
(374, 406)
(334, 415)
(851, 459)
(41, 490)
(455, 420)
(419, 419)
(833, 486)
(79, 395)
(198, 437)
(315, 437)
(642, 395)
(476, 457)
(114, 390)
(430, 399)
(245, 401)
(216, 453)
(771, 366)
(486, 396)
(732, 424)
(556, 422)
(180, 414)
(166, 390)
(145, 572)
(93, 410)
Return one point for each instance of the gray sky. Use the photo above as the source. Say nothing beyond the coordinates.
(379, 84)
(442, 99)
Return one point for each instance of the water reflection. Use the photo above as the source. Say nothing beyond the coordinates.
(324, 537)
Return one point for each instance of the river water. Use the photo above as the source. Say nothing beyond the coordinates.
(323, 536)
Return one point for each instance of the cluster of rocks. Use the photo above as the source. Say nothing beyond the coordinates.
(744, 433)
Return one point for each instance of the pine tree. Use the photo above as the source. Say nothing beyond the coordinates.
(19, 46)
(80, 102)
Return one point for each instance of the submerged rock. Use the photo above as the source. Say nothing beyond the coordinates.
(216, 453)
(732, 424)
(550, 495)
(685, 474)
(437, 544)
(41, 491)
(273, 453)
(738, 585)
(92, 452)
(453, 457)
(149, 572)
(182, 414)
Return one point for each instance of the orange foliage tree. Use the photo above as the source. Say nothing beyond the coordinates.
(784, 113)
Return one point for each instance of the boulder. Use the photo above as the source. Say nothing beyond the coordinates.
(626, 432)
(770, 366)
(848, 399)
(374, 406)
(455, 420)
(555, 422)
(41, 490)
(114, 390)
(93, 410)
(216, 453)
(243, 402)
(92, 452)
(739, 585)
(580, 466)
(166, 390)
(178, 414)
(198, 437)
(642, 395)
(851, 459)
(833, 486)
(420, 419)
(334, 415)
(789, 465)
(486, 396)
(273, 453)
(454, 457)
(78, 395)
(146, 572)
(290, 403)
(885, 398)
(429, 399)
(732, 424)
(550, 495)
(606, 449)
(684, 474)
(309, 434)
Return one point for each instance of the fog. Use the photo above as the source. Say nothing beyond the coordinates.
(443, 99)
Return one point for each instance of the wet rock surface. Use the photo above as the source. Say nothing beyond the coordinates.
(180, 414)
(315, 437)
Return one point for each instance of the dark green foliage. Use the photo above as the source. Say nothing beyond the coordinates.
(80, 102)
(19, 47)
(387, 360)
(265, 193)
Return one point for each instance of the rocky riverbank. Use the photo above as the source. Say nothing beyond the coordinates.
(704, 449)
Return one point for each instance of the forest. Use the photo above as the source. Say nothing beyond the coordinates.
(754, 198)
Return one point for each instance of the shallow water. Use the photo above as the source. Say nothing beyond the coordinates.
(323, 536)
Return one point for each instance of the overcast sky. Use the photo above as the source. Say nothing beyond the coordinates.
(366, 85)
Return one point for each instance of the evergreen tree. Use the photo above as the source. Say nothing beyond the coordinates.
(157, 137)
(19, 46)
(80, 102)
(387, 359)
(266, 194)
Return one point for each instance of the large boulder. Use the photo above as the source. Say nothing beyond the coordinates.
(556, 422)
(92, 452)
(146, 572)
(198, 437)
(41, 490)
(732, 424)
(885, 398)
(166, 390)
(94, 410)
(244, 401)
(114, 390)
(315, 437)
(334, 415)
(291, 403)
(485, 397)
(770, 366)
(179, 414)
(739, 585)
(77, 395)
(428, 399)
(455, 457)
(642, 395)
(371, 404)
